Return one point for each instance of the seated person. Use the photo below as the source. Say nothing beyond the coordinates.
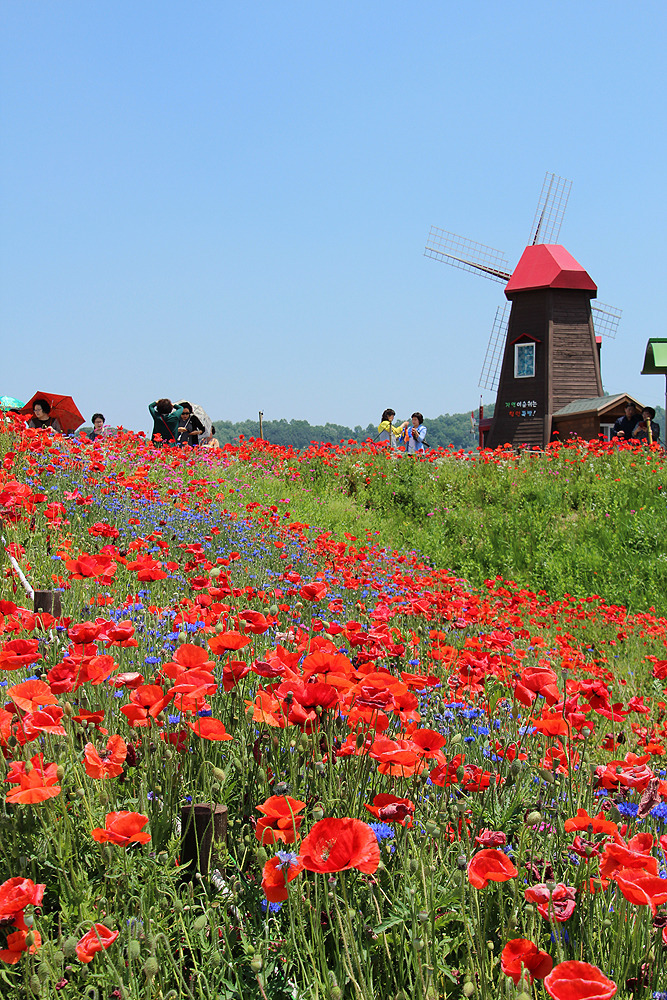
(98, 427)
(626, 424)
(190, 426)
(640, 433)
(166, 418)
(41, 417)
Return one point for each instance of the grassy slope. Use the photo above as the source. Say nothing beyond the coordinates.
(570, 521)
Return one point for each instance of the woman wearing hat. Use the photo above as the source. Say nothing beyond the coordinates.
(641, 431)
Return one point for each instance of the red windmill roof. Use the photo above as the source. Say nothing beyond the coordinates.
(548, 265)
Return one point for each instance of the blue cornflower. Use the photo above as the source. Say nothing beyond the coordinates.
(271, 907)
(382, 831)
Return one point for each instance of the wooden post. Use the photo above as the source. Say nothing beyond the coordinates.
(47, 600)
(202, 829)
(261, 427)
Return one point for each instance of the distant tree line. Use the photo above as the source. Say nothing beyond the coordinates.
(451, 429)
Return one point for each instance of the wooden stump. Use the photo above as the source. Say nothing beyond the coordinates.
(203, 829)
(49, 601)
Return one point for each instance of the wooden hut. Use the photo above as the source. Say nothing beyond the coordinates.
(590, 418)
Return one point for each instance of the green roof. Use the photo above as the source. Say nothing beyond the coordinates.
(655, 359)
(595, 405)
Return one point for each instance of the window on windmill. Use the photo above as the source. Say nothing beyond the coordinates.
(524, 360)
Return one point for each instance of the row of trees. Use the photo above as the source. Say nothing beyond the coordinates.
(451, 429)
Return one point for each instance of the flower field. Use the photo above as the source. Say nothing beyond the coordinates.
(256, 756)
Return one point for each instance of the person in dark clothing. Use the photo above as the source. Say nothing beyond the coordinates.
(640, 433)
(41, 417)
(166, 419)
(190, 426)
(98, 427)
(626, 424)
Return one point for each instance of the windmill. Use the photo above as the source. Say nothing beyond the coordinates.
(542, 353)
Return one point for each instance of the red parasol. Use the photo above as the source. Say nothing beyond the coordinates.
(62, 407)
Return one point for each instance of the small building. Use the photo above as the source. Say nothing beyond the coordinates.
(590, 418)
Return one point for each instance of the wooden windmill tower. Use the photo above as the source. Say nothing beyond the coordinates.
(546, 354)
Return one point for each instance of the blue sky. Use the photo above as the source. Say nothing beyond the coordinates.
(230, 202)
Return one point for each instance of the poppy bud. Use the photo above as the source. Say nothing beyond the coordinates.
(462, 862)
(28, 766)
(431, 828)
(134, 949)
(468, 989)
(69, 946)
(60, 772)
(256, 964)
(273, 609)
(68, 710)
(460, 773)
(360, 740)
(318, 812)
(29, 939)
(35, 985)
(200, 923)
(262, 856)
(413, 866)
(151, 967)
(533, 818)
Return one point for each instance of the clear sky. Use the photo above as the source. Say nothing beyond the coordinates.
(229, 201)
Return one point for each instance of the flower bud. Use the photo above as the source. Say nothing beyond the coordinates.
(318, 812)
(256, 964)
(200, 923)
(468, 989)
(151, 967)
(134, 948)
(68, 710)
(69, 946)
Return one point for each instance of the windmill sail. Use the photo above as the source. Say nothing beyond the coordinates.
(467, 255)
(490, 374)
(550, 209)
(606, 319)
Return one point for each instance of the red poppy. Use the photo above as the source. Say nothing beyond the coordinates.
(17, 945)
(98, 938)
(520, 954)
(36, 781)
(491, 838)
(15, 894)
(578, 981)
(313, 591)
(31, 695)
(490, 866)
(640, 888)
(19, 653)
(232, 672)
(390, 809)
(225, 641)
(280, 820)
(594, 824)
(122, 828)
(552, 904)
(277, 873)
(210, 729)
(333, 845)
(108, 764)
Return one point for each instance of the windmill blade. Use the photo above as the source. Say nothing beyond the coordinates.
(490, 374)
(467, 255)
(606, 319)
(550, 209)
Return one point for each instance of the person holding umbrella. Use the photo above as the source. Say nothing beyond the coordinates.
(190, 426)
(41, 416)
(166, 420)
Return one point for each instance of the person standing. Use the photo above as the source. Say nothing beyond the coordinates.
(641, 431)
(98, 427)
(166, 418)
(41, 417)
(626, 424)
(190, 426)
(416, 435)
(387, 433)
